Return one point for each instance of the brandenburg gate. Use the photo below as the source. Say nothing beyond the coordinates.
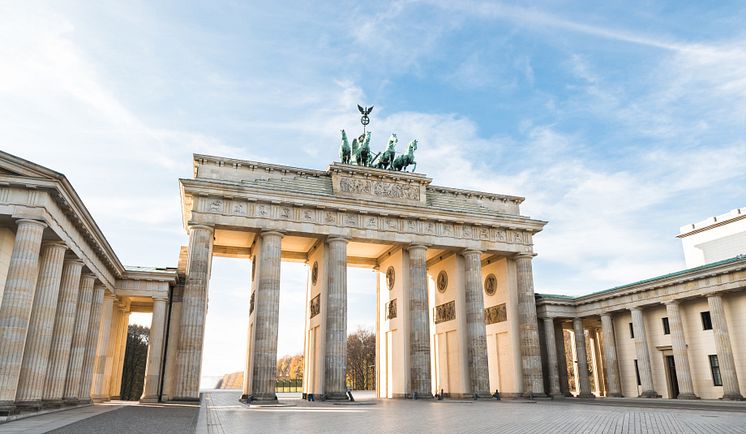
(455, 299)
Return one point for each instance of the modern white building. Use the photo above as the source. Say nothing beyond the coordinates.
(714, 239)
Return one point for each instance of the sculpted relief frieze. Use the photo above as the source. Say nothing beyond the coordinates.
(379, 188)
(294, 213)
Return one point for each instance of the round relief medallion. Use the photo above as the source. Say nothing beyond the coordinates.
(390, 278)
(314, 272)
(490, 284)
(442, 281)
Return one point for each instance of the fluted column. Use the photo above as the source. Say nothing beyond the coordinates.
(71, 390)
(62, 334)
(559, 339)
(680, 353)
(155, 350)
(552, 359)
(610, 357)
(39, 337)
(476, 333)
(194, 311)
(100, 313)
(335, 360)
(533, 380)
(419, 324)
(98, 391)
(15, 308)
(267, 308)
(643, 354)
(580, 350)
(731, 390)
(115, 384)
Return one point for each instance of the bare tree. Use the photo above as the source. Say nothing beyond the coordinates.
(135, 358)
(361, 359)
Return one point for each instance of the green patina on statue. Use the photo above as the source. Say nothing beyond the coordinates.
(344, 149)
(359, 153)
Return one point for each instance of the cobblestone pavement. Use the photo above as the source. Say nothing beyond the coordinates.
(162, 419)
(222, 413)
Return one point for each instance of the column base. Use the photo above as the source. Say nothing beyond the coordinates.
(50, 404)
(614, 395)
(649, 394)
(586, 396)
(687, 396)
(336, 396)
(86, 402)
(116, 398)
(29, 405)
(100, 399)
(732, 397)
(557, 395)
(267, 397)
(188, 399)
(8, 408)
(69, 402)
(149, 399)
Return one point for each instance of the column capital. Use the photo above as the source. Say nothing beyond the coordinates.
(607, 313)
(336, 238)
(637, 308)
(76, 261)
(200, 226)
(674, 302)
(275, 233)
(524, 255)
(718, 294)
(471, 252)
(55, 243)
(88, 276)
(28, 221)
(417, 247)
(160, 297)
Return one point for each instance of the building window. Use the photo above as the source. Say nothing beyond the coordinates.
(715, 368)
(666, 327)
(706, 321)
(631, 331)
(637, 374)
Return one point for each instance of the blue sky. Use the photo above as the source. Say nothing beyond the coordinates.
(619, 122)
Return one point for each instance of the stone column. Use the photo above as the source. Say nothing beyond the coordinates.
(194, 310)
(62, 334)
(643, 354)
(731, 390)
(98, 355)
(155, 350)
(267, 308)
(39, 337)
(419, 324)
(559, 334)
(15, 309)
(610, 357)
(582, 375)
(552, 360)
(533, 380)
(116, 379)
(476, 333)
(335, 360)
(71, 390)
(680, 354)
(99, 308)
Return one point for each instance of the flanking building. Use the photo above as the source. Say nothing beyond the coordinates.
(680, 335)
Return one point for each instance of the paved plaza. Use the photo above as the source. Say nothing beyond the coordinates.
(222, 413)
